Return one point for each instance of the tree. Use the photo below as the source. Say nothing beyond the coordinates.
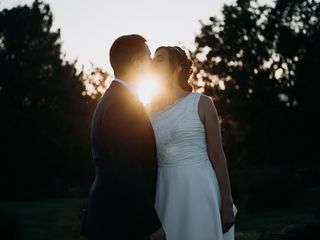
(245, 62)
(44, 114)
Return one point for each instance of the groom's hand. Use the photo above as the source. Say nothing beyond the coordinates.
(158, 235)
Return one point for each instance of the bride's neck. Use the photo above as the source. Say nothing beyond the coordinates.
(167, 97)
(177, 92)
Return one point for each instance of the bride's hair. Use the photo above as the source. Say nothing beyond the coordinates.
(178, 57)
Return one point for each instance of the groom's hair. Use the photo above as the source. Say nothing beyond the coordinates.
(124, 50)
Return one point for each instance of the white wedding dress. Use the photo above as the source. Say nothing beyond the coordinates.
(188, 197)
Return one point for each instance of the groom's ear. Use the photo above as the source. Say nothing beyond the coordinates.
(179, 69)
(136, 63)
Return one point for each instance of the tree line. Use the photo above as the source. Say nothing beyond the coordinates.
(258, 62)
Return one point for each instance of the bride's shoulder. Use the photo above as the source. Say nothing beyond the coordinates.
(204, 99)
(206, 105)
(149, 108)
(152, 107)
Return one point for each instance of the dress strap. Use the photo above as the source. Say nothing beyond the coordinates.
(196, 99)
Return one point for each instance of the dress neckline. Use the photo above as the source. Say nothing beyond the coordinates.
(170, 106)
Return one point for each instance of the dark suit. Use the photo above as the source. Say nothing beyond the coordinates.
(121, 198)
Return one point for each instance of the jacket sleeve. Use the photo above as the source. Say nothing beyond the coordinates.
(124, 143)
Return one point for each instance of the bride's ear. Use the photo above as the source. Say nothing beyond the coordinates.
(179, 69)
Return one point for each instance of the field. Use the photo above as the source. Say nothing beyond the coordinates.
(61, 218)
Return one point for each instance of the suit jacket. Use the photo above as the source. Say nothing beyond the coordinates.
(121, 198)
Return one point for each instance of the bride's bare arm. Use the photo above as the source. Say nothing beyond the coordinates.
(209, 117)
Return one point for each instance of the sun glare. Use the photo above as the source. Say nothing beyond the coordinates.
(148, 87)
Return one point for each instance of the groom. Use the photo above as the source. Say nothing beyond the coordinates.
(121, 199)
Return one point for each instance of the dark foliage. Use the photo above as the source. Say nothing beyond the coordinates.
(260, 65)
(44, 115)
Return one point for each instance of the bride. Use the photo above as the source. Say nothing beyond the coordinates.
(193, 198)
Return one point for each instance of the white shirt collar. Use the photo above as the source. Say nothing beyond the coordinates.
(128, 86)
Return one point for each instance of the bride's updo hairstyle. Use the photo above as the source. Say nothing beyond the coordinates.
(178, 57)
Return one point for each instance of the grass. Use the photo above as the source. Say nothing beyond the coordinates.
(250, 225)
(61, 218)
(46, 219)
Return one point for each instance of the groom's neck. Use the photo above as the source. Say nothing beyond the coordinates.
(128, 79)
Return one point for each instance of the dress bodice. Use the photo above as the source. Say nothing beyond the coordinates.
(179, 132)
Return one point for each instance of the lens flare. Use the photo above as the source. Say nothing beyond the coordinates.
(148, 88)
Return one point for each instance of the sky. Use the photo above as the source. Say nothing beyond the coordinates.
(88, 27)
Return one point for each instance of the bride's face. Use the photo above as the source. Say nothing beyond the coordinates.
(162, 68)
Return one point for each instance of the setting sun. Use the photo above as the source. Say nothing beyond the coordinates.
(148, 87)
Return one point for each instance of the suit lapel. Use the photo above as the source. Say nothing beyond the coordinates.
(116, 86)
(120, 89)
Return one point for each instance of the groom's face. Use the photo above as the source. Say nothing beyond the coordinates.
(144, 63)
